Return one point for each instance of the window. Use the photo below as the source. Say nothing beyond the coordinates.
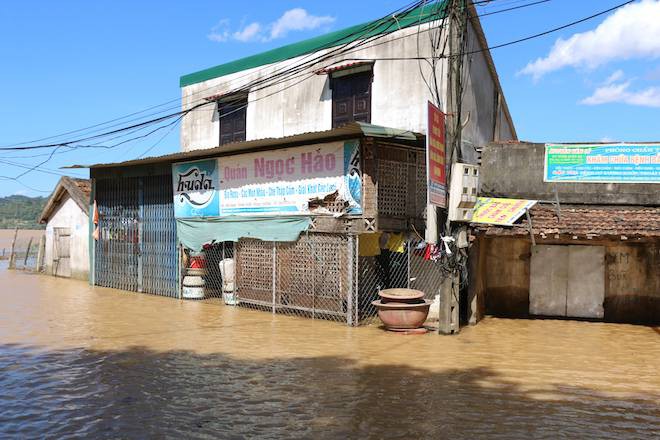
(351, 98)
(232, 112)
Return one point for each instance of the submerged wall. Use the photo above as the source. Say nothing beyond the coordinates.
(632, 278)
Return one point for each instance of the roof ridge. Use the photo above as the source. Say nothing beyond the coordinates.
(421, 14)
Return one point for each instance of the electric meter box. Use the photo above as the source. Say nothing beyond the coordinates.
(463, 192)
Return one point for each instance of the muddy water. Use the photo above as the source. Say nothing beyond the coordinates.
(106, 364)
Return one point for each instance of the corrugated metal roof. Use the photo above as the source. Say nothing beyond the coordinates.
(353, 129)
(422, 14)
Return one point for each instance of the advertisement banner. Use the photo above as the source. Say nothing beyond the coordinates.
(195, 187)
(435, 157)
(496, 211)
(285, 181)
(612, 163)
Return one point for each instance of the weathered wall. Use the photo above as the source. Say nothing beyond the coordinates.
(632, 283)
(632, 278)
(516, 170)
(69, 215)
(399, 95)
(506, 276)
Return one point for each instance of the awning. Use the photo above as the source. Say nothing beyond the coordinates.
(351, 65)
(194, 233)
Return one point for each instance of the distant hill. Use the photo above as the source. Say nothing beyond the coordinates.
(21, 212)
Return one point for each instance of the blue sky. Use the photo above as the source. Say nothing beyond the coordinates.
(68, 65)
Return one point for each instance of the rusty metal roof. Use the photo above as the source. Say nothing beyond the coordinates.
(350, 130)
(583, 221)
(78, 189)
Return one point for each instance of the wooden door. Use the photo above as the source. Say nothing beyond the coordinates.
(585, 292)
(547, 281)
(62, 252)
(351, 99)
(232, 121)
(567, 281)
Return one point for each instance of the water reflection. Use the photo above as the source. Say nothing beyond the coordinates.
(99, 363)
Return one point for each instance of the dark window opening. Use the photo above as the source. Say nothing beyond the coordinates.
(232, 113)
(351, 98)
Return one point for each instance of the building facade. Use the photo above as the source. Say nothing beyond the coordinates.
(376, 77)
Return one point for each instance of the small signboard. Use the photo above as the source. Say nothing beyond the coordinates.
(611, 163)
(436, 170)
(497, 211)
(195, 186)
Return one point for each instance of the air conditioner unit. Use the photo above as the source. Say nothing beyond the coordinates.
(463, 191)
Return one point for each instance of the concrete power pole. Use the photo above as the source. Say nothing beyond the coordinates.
(448, 322)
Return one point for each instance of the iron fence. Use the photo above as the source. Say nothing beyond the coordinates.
(405, 262)
(312, 277)
(321, 276)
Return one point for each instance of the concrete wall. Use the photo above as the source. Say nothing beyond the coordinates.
(69, 215)
(399, 95)
(516, 170)
(632, 278)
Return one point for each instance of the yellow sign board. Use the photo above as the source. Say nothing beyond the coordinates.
(496, 211)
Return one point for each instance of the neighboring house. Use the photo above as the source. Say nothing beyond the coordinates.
(595, 254)
(66, 216)
(378, 82)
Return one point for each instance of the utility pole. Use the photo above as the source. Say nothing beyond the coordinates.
(448, 322)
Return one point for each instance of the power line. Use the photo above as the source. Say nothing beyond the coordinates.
(367, 27)
(549, 31)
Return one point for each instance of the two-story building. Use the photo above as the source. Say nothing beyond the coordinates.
(306, 166)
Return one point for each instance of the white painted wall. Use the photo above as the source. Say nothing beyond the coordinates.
(69, 215)
(399, 95)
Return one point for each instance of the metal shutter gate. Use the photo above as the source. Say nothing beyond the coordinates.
(136, 249)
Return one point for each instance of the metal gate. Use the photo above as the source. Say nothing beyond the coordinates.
(136, 249)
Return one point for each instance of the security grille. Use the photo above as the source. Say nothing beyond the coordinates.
(136, 249)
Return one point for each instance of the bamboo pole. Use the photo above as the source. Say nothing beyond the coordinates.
(12, 256)
(27, 253)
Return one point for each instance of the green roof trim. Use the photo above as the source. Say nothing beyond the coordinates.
(421, 14)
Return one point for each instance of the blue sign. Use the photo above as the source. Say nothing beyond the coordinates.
(612, 163)
(196, 187)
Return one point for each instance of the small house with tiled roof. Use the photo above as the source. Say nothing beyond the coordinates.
(590, 246)
(66, 216)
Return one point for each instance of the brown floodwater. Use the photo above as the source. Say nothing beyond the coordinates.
(100, 363)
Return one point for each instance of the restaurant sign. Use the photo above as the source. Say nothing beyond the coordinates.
(195, 186)
(611, 163)
(497, 211)
(285, 181)
(271, 182)
(436, 157)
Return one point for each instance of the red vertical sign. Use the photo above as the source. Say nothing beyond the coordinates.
(435, 157)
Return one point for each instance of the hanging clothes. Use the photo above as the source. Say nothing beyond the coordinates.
(397, 243)
(369, 244)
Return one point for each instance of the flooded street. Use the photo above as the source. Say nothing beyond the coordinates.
(99, 363)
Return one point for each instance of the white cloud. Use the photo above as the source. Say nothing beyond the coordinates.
(631, 32)
(220, 32)
(620, 93)
(248, 33)
(614, 77)
(607, 140)
(296, 19)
